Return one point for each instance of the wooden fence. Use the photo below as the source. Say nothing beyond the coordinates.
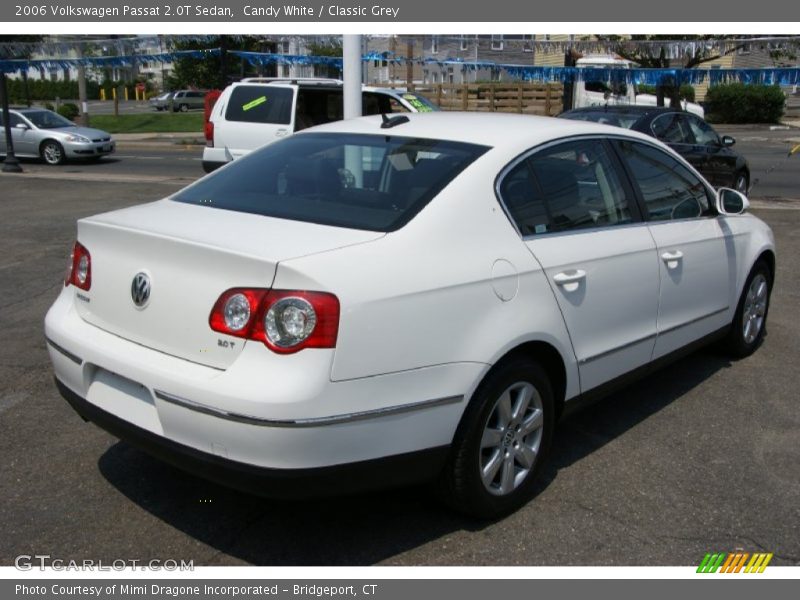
(528, 98)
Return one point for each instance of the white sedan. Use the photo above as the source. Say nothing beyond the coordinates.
(390, 300)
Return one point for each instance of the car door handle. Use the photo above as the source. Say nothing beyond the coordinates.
(672, 256)
(567, 277)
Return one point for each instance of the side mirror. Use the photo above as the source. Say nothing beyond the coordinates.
(731, 202)
(728, 140)
(21, 126)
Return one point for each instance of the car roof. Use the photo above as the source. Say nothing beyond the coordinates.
(318, 84)
(489, 129)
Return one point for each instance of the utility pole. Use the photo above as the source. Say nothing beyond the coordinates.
(82, 88)
(351, 72)
(569, 86)
(409, 64)
(10, 164)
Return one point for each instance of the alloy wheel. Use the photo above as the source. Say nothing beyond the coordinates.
(511, 439)
(755, 308)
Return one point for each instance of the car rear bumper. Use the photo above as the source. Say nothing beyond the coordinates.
(263, 412)
(391, 471)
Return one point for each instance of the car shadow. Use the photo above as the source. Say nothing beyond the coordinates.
(368, 528)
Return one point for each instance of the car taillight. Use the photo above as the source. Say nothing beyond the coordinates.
(79, 268)
(285, 320)
(209, 131)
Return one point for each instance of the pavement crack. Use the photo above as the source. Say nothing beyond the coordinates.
(626, 526)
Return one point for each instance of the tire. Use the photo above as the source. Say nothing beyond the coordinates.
(183, 108)
(741, 182)
(495, 459)
(750, 321)
(52, 152)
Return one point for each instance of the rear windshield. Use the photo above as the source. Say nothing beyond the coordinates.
(260, 104)
(617, 118)
(371, 182)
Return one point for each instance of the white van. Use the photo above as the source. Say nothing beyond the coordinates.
(258, 111)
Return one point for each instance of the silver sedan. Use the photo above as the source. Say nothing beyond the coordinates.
(37, 132)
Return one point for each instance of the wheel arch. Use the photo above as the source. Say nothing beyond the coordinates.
(46, 140)
(551, 361)
(768, 256)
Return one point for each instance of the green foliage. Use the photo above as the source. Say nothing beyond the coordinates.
(69, 111)
(43, 89)
(686, 91)
(207, 72)
(150, 123)
(334, 48)
(740, 103)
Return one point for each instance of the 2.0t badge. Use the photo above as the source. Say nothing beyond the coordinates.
(140, 289)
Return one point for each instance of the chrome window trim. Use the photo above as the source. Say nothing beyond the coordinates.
(535, 150)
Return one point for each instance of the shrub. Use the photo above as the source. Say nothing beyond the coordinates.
(69, 111)
(43, 89)
(740, 103)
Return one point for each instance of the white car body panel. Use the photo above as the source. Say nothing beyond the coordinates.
(426, 310)
(607, 341)
(234, 139)
(192, 253)
(696, 293)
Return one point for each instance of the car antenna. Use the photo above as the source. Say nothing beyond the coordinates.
(389, 122)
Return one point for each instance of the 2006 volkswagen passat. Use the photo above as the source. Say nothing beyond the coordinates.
(388, 300)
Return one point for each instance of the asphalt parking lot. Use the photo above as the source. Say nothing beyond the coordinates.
(703, 456)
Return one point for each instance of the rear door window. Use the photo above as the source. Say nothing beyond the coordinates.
(672, 129)
(569, 186)
(260, 104)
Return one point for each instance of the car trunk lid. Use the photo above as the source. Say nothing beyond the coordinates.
(190, 255)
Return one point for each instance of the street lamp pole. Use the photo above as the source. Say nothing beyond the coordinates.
(10, 164)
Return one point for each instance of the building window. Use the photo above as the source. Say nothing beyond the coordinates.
(527, 43)
(497, 42)
(435, 44)
(285, 47)
(462, 42)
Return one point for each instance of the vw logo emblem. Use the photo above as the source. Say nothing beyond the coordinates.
(140, 289)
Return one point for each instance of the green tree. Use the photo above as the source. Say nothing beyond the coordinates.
(216, 71)
(20, 46)
(332, 48)
(655, 56)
